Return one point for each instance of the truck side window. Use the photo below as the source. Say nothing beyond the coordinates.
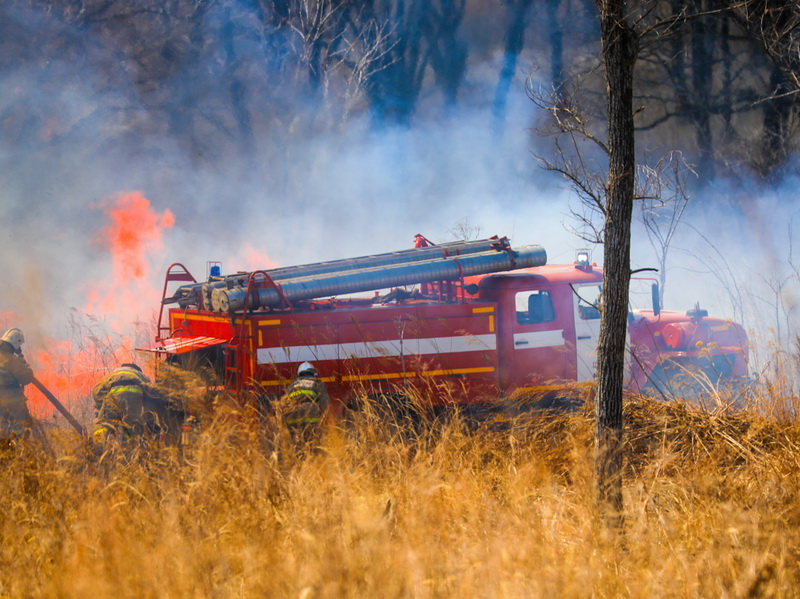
(534, 307)
(588, 301)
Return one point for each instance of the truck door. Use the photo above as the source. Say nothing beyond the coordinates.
(540, 352)
(587, 329)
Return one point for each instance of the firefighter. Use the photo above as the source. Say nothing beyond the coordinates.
(124, 401)
(304, 404)
(15, 373)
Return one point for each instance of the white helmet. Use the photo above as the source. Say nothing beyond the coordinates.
(306, 367)
(14, 338)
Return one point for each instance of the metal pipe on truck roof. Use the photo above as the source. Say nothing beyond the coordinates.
(382, 277)
(452, 248)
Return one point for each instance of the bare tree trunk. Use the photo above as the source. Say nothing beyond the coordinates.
(515, 41)
(620, 47)
(448, 52)
(238, 88)
(702, 49)
(556, 44)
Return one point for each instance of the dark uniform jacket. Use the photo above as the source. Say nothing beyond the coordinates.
(15, 373)
(120, 399)
(305, 401)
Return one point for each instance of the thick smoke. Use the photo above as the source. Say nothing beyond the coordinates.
(303, 194)
(355, 191)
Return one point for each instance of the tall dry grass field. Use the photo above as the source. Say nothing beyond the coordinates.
(499, 507)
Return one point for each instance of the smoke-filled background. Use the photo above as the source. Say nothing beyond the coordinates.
(258, 133)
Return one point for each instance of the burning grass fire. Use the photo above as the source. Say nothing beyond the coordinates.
(118, 313)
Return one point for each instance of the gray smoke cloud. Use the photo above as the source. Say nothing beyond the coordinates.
(320, 195)
(324, 195)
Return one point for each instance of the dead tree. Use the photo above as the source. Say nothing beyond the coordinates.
(775, 25)
(620, 43)
(611, 197)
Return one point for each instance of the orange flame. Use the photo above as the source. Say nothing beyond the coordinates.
(134, 234)
(254, 259)
(69, 373)
(129, 296)
(119, 313)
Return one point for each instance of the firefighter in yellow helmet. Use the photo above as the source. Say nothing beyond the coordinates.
(121, 399)
(15, 373)
(304, 404)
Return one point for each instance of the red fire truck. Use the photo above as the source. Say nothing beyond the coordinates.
(463, 322)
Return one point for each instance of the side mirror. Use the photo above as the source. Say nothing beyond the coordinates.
(656, 299)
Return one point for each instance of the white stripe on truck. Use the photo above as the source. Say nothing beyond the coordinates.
(378, 349)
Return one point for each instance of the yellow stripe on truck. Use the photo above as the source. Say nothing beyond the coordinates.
(391, 375)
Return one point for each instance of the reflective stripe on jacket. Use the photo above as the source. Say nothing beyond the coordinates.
(121, 380)
(125, 389)
(303, 393)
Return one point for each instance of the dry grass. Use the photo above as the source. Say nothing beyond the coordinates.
(452, 508)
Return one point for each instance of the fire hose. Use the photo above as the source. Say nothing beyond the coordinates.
(60, 407)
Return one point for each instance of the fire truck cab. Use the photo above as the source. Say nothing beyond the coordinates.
(548, 323)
